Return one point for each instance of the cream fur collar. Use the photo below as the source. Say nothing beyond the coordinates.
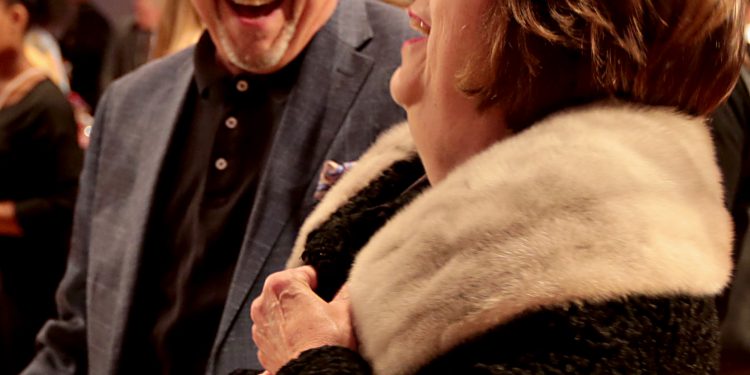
(592, 204)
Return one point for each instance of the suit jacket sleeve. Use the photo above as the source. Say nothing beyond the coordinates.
(63, 341)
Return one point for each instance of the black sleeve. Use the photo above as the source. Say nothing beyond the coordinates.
(730, 127)
(327, 360)
(61, 160)
(735, 330)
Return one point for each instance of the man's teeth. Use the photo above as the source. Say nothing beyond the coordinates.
(253, 2)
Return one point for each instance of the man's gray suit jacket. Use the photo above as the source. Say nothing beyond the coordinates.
(337, 108)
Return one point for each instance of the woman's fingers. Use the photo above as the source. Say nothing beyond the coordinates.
(279, 314)
(290, 318)
(278, 282)
(295, 281)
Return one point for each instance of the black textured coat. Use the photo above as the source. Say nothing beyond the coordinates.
(576, 339)
(521, 261)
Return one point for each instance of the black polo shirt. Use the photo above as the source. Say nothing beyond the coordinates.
(202, 204)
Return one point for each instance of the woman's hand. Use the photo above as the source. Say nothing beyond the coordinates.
(289, 318)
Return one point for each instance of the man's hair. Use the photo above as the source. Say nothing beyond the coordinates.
(541, 56)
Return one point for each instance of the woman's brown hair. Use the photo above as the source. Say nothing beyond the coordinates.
(545, 55)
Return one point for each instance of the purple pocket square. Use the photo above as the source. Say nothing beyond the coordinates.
(331, 173)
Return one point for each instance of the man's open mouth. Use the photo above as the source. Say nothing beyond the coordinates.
(254, 8)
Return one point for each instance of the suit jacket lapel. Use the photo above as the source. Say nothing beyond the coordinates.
(331, 76)
(119, 225)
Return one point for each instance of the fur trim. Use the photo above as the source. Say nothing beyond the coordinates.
(594, 204)
(393, 145)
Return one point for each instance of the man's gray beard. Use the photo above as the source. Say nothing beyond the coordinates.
(250, 63)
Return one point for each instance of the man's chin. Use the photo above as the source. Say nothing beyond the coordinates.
(251, 58)
(256, 67)
(238, 58)
(256, 62)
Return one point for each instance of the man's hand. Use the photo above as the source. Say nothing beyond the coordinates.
(290, 318)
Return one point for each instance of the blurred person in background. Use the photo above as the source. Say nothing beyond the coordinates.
(201, 168)
(84, 45)
(39, 165)
(731, 134)
(41, 47)
(43, 52)
(132, 42)
(735, 330)
(180, 27)
(552, 206)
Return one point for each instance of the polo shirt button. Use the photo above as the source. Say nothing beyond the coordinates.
(221, 164)
(242, 85)
(231, 123)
